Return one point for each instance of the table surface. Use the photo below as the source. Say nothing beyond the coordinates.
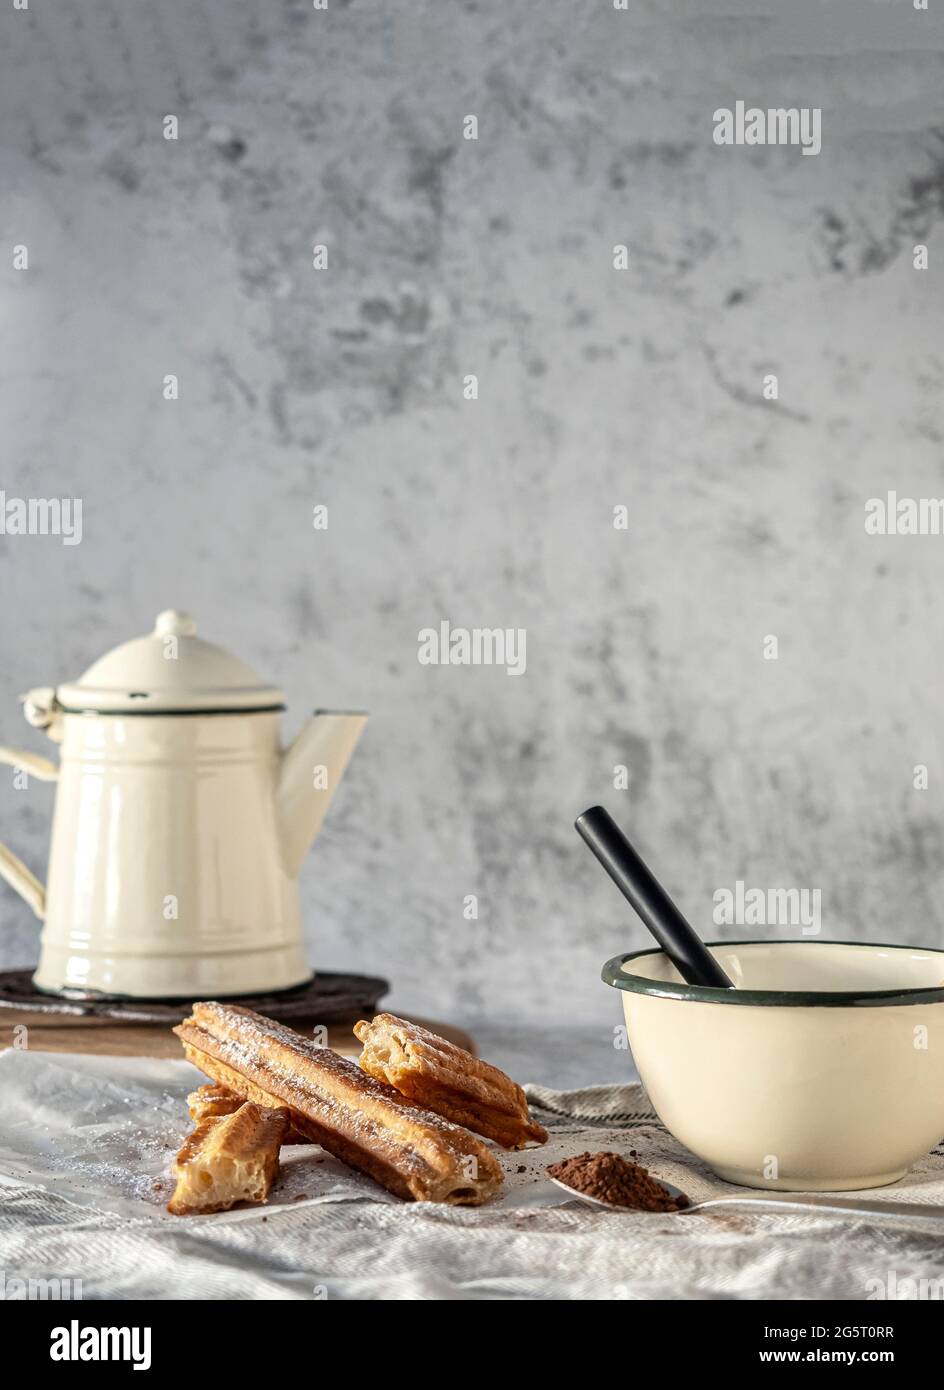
(106, 1037)
(562, 1058)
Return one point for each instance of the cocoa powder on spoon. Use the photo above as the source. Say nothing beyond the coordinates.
(609, 1177)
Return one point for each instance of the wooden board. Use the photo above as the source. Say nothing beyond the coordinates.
(61, 1033)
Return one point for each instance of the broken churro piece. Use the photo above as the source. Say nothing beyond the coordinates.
(443, 1077)
(207, 1101)
(358, 1119)
(228, 1159)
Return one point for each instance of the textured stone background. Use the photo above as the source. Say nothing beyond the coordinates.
(597, 387)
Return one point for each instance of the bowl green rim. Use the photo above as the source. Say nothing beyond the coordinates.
(613, 973)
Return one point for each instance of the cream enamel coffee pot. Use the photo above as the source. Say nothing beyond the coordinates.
(180, 823)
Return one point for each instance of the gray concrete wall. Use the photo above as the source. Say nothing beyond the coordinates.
(597, 387)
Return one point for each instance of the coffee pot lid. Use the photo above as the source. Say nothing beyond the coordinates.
(170, 671)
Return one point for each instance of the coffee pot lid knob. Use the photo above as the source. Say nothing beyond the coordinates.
(174, 623)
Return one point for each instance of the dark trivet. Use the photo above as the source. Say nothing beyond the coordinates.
(328, 998)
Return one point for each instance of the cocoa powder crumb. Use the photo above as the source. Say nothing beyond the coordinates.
(612, 1178)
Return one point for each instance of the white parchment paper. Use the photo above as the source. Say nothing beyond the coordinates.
(104, 1130)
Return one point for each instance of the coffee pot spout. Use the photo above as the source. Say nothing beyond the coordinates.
(311, 770)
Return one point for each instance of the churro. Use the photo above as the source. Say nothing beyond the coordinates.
(228, 1159)
(447, 1079)
(207, 1101)
(210, 1102)
(357, 1118)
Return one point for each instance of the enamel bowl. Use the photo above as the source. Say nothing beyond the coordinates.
(822, 1071)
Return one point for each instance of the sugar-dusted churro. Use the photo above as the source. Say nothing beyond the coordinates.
(445, 1078)
(355, 1117)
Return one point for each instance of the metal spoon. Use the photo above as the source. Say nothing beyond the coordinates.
(793, 1201)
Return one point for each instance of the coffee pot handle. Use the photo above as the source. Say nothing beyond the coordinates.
(12, 868)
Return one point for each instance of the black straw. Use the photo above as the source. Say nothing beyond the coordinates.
(680, 942)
